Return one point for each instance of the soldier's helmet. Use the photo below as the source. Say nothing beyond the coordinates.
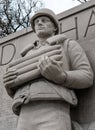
(46, 12)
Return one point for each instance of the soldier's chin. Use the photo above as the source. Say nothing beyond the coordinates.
(42, 34)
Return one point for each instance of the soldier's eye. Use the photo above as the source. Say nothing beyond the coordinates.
(36, 21)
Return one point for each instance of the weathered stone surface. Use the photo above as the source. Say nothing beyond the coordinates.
(8, 122)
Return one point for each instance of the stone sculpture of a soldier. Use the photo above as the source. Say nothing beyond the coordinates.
(41, 83)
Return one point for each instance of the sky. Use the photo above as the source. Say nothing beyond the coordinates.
(59, 6)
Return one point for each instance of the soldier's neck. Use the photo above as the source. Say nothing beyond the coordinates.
(42, 40)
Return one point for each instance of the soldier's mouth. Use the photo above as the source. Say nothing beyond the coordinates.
(40, 28)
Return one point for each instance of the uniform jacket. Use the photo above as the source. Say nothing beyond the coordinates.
(79, 75)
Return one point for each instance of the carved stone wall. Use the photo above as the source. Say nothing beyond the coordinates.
(77, 23)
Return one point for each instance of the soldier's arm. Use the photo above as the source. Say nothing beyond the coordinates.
(81, 74)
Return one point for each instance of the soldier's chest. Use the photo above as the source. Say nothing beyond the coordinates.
(56, 52)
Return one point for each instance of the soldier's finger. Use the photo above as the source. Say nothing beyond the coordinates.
(56, 57)
(54, 61)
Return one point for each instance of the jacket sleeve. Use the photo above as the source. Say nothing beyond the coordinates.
(80, 75)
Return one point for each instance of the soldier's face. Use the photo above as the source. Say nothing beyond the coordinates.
(44, 27)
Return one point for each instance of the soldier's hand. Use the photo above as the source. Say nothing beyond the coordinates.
(9, 78)
(51, 70)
